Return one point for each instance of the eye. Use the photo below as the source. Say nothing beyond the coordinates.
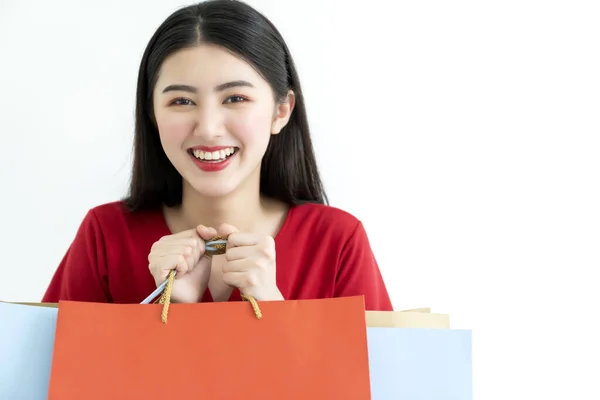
(234, 99)
(182, 101)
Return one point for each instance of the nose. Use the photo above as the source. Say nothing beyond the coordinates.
(209, 123)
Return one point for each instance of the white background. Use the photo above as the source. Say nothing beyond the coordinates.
(465, 134)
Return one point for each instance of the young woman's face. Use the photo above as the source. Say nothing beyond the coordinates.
(215, 116)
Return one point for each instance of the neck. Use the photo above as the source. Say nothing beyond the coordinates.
(243, 208)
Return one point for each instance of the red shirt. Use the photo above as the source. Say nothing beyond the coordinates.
(321, 251)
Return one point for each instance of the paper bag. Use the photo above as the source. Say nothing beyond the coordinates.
(301, 349)
(419, 318)
(414, 355)
(26, 343)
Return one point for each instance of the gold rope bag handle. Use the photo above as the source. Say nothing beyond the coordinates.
(165, 298)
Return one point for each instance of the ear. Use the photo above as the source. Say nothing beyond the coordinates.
(283, 112)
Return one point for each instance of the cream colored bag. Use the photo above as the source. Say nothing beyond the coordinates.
(417, 318)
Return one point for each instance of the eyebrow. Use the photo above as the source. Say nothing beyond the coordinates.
(218, 88)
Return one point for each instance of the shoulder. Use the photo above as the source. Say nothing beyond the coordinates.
(115, 210)
(323, 222)
(325, 212)
(114, 219)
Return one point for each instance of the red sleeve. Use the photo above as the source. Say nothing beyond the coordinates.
(82, 273)
(359, 274)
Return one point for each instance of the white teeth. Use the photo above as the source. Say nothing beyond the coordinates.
(214, 155)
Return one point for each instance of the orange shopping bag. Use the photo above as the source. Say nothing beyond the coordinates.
(302, 349)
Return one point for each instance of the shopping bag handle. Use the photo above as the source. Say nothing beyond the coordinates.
(215, 246)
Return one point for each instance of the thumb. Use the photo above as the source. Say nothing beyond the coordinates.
(224, 230)
(205, 232)
(208, 234)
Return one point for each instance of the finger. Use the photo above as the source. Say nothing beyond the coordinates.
(240, 280)
(184, 265)
(206, 233)
(236, 239)
(191, 241)
(191, 287)
(241, 265)
(183, 234)
(240, 253)
(224, 230)
(163, 266)
(175, 249)
(176, 246)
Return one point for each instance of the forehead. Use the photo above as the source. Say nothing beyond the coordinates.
(206, 65)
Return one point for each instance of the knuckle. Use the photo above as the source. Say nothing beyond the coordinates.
(153, 261)
(268, 252)
(269, 241)
(154, 269)
(262, 263)
(268, 247)
(251, 280)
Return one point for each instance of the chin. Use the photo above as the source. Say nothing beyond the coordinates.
(212, 189)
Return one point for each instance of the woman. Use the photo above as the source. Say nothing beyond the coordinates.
(222, 148)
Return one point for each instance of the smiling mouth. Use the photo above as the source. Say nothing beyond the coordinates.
(213, 156)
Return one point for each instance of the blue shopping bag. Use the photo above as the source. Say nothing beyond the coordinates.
(420, 364)
(26, 346)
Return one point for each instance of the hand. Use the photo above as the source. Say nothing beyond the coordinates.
(250, 263)
(184, 251)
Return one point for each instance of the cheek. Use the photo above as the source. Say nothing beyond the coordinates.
(173, 128)
(253, 127)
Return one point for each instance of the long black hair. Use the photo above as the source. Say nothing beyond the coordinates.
(289, 170)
